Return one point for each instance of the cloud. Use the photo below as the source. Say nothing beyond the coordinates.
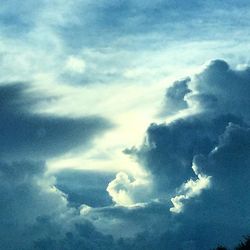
(84, 187)
(198, 165)
(226, 88)
(26, 194)
(190, 189)
(208, 204)
(26, 135)
(125, 191)
(174, 97)
(127, 221)
(36, 215)
(107, 35)
(200, 162)
(226, 203)
(169, 149)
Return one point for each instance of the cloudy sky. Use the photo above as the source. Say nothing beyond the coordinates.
(124, 124)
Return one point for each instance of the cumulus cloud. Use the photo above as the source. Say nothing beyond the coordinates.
(125, 191)
(200, 162)
(169, 149)
(223, 89)
(190, 189)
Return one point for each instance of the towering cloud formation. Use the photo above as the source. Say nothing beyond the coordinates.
(200, 162)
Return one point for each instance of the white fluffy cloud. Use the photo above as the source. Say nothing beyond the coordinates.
(125, 191)
(190, 189)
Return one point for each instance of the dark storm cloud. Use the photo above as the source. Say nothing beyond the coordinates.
(214, 142)
(169, 149)
(25, 135)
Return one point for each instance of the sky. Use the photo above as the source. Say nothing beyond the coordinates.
(124, 124)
